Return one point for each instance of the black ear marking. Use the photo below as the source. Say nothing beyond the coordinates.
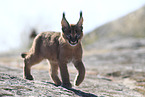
(80, 13)
(63, 14)
(64, 23)
(80, 22)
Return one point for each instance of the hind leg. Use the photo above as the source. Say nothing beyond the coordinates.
(54, 72)
(29, 61)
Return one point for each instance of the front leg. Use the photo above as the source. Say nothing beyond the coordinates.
(81, 72)
(64, 75)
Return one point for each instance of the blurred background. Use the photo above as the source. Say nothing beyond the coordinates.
(19, 18)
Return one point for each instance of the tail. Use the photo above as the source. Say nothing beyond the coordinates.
(23, 55)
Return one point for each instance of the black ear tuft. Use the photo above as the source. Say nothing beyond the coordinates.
(64, 22)
(80, 22)
(63, 14)
(80, 13)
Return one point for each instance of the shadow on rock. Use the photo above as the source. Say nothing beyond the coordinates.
(77, 92)
(81, 93)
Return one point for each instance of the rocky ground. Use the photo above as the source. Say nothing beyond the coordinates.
(114, 69)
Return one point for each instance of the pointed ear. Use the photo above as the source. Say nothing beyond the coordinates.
(64, 22)
(80, 22)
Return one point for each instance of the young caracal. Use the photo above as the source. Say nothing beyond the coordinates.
(59, 49)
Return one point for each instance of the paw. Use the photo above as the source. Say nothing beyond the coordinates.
(29, 77)
(77, 83)
(58, 83)
(67, 85)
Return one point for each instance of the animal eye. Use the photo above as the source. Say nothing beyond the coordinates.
(68, 36)
(78, 35)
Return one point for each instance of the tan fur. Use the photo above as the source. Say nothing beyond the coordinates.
(59, 49)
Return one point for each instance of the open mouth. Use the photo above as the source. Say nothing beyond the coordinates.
(73, 43)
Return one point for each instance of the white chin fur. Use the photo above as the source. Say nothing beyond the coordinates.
(72, 45)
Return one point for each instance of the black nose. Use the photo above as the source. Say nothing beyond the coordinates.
(73, 39)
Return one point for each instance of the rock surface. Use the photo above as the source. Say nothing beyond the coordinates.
(12, 84)
(110, 72)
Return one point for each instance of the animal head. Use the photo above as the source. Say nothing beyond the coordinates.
(72, 33)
